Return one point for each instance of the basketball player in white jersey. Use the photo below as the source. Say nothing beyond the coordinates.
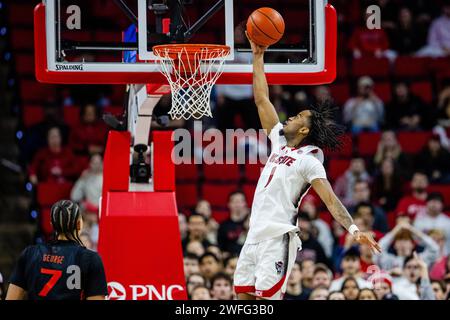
(295, 164)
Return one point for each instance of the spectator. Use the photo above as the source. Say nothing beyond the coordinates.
(366, 42)
(216, 251)
(382, 286)
(443, 123)
(197, 230)
(203, 207)
(387, 186)
(195, 247)
(336, 295)
(191, 264)
(221, 287)
(361, 201)
(366, 212)
(280, 100)
(438, 36)
(210, 265)
(434, 218)
(322, 276)
(230, 265)
(367, 294)
(414, 284)
(406, 38)
(90, 135)
(321, 230)
(350, 288)
(414, 204)
(200, 293)
(351, 268)
(182, 223)
(345, 184)
(440, 268)
(88, 189)
(230, 230)
(406, 111)
(389, 148)
(365, 112)
(194, 280)
(294, 289)
(87, 241)
(434, 160)
(401, 238)
(53, 163)
(36, 137)
(307, 266)
(438, 289)
(311, 248)
(319, 294)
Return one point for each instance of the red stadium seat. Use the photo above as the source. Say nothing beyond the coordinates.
(82, 163)
(187, 195)
(50, 192)
(221, 172)
(347, 149)
(186, 172)
(249, 191)
(253, 171)
(32, 114)
(368, 143)
(45, 221)
(413, 142)
(24, 64)
(408, 66)
(424, 90)
(340, 92)
(220, 215)
(20, 14)
(336, 167)
(369, 66)
(72, 116)
(438, 65)
(444, 189)
(327, 217)
(115, 110)
(217, 194)
(23, 39)
(384, 91)
(31, 90)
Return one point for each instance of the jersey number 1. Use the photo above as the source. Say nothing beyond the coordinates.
(271, 176)
(55, 275)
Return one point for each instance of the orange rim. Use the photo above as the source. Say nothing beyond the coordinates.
(173, 50)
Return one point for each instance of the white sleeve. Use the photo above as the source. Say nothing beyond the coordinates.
(275, 138)
(311, 168)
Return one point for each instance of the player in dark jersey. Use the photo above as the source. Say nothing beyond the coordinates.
(62, 269)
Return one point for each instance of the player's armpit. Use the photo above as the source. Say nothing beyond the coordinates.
(334, 205)
(15, 293)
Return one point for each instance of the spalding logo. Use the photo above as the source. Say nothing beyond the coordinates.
(116, 291)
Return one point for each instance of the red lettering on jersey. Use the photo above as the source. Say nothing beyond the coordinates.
(53, 259)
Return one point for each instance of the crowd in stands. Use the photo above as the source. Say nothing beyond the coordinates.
(399, 192)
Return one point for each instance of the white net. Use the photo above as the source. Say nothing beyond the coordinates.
(192, 71)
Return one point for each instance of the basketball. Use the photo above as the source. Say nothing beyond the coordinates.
(265, 26)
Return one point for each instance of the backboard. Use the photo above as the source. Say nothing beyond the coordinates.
(95, 41)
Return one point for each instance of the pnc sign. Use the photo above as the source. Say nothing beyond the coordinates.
(117, 291)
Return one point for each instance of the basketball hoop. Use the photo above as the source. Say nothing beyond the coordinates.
(191, 70)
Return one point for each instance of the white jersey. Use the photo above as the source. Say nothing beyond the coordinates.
(284, 181)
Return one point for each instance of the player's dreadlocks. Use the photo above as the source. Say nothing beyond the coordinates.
(324, 132)
(64, 218)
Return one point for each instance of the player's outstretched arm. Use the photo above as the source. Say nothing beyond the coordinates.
(267, 114)
(340, 213)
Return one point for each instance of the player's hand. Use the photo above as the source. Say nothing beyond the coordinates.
(366, 238)
(257, 49)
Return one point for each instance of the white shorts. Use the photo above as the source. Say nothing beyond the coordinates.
(263, 268)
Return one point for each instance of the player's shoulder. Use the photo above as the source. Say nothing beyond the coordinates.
(311, 153)
(89, 257)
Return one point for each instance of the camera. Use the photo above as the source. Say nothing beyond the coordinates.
(140, 171)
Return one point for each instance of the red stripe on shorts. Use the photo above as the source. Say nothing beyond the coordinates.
(270, 292)
(244, 289)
